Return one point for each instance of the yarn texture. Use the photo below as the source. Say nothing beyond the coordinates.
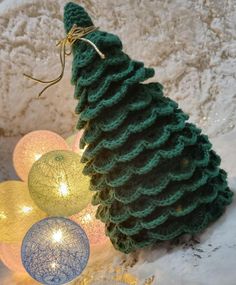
(154, 174)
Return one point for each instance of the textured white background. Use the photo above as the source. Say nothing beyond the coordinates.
(192, 46)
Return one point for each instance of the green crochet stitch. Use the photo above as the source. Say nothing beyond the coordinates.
(154, 174)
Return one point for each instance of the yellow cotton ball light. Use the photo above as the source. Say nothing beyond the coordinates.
(18, 211)
(94, 228)
(57, 184)
(32, 146)
(10, 255)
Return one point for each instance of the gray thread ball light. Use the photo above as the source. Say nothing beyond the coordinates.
(55, 251)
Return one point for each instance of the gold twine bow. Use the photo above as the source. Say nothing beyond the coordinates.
(76, 33)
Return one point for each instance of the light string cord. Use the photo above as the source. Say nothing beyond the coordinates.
(76, 33)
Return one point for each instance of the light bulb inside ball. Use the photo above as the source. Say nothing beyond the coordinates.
(37, 156)
(26, 209)
(54, 265)
(57, 236)
(63, 189)
(87, 218)
(3, 216)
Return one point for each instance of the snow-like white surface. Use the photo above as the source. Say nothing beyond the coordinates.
(192, 46)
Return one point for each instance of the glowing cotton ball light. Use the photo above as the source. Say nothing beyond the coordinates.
(57, 184)
(10, 255)
(74, 141)
(55, 251)
(93, 227)
(18, 211)
(31, 147)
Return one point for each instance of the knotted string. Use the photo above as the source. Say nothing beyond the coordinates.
(76, 33)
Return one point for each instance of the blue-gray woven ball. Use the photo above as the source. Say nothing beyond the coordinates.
(55, 251)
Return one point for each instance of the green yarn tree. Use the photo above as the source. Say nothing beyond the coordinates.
(154, 175)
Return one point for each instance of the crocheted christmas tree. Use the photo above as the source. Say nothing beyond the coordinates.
(154, 174)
